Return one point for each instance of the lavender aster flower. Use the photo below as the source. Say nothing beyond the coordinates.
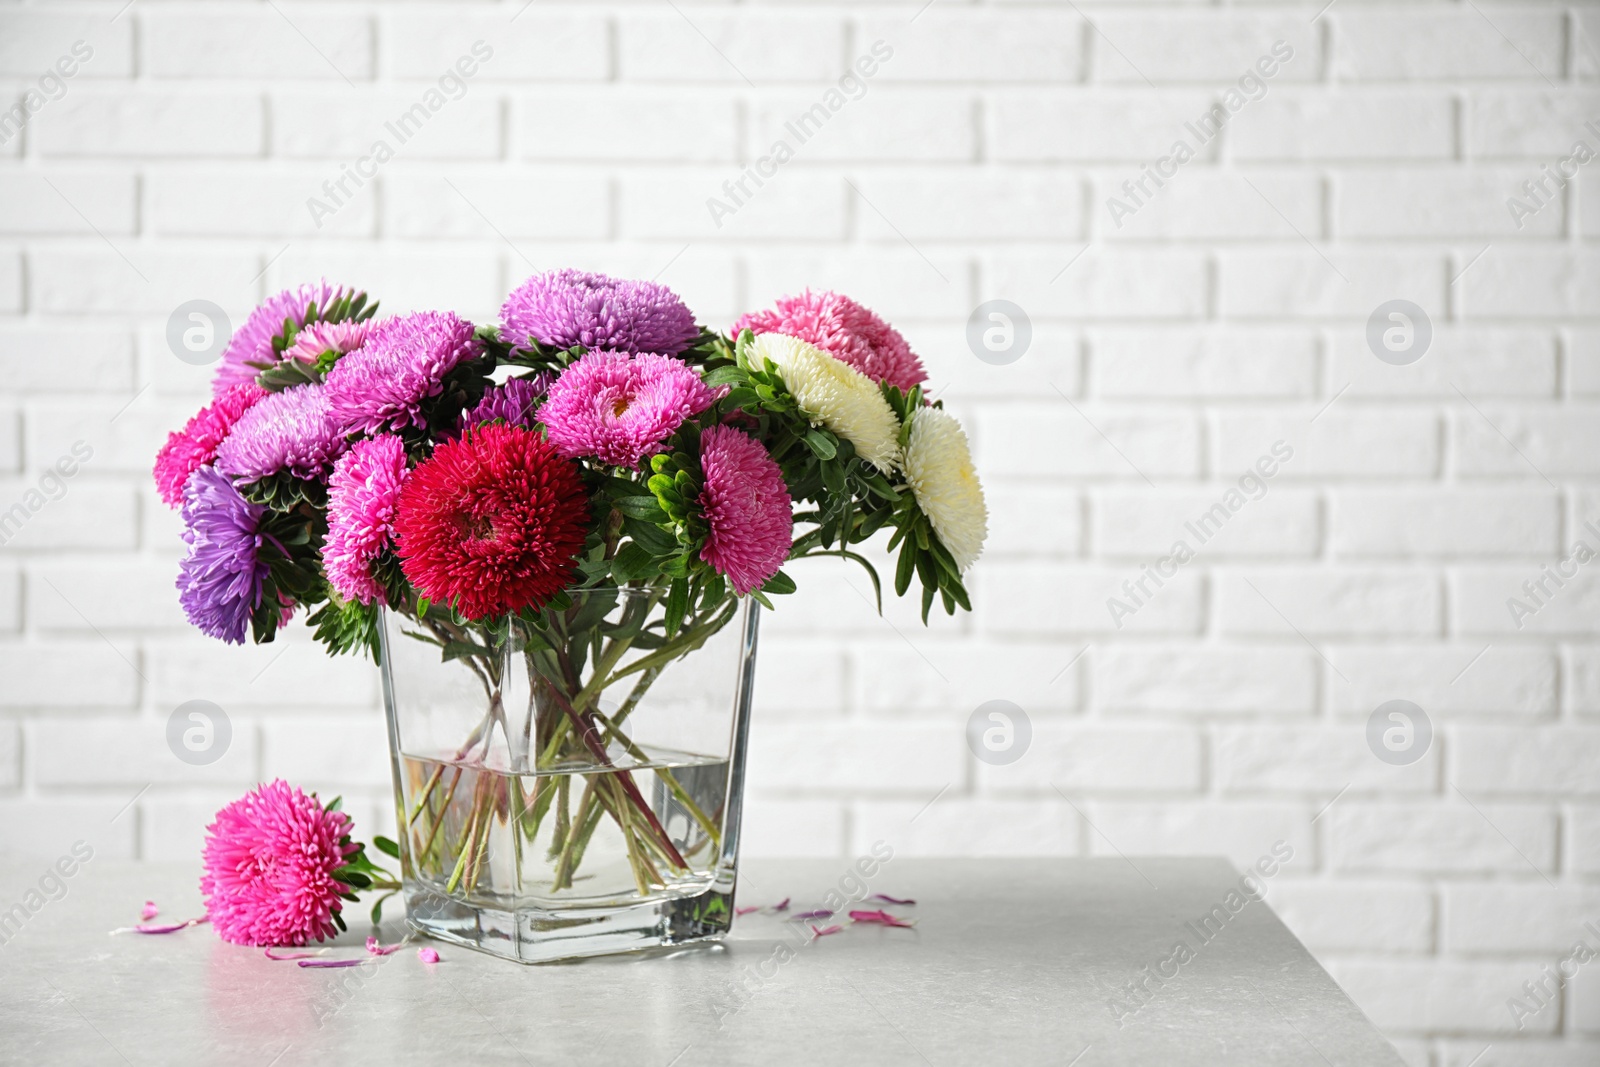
(404, 361)
(252, 342)
(514, 402)
(569, 307)
(219, 581)
(293, 431)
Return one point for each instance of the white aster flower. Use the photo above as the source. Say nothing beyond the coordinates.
(836, 395)
(938, 467)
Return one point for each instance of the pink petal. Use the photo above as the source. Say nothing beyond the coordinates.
(383, 950)
(887, 899)
(169, 928)
(332, 963)
(427, 955)
(292, 955)
(881, 917)
(782, 905)
(745, 911)
(818, 913)
(824, 931)
(149, 911)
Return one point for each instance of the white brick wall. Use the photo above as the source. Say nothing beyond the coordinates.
(1227, 313)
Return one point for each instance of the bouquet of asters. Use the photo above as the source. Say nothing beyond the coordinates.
(597, 482)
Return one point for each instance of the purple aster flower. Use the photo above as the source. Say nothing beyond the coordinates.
(363, 497)
(403, 362)
(219, 581)
(293, 431)
(252, 342)
(563, 308)
(514, 402)
(620, 407)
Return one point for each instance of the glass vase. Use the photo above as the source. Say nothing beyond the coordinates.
(570, 785)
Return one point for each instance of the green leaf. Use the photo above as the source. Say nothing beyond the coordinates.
(677, 604)
(386, 846)
(647, 508)
(631, 562)
(821, 443)
(778, 585)
(905, 568)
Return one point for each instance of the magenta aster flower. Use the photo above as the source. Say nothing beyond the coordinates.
(513, 403)
(292, 431)
(747, 507)
(252, 342)
(845, 330)
(194, 446)
(363, 496)
(269, 859)
(219, 580)
(563, 308)
(619, 408)
(403, 362)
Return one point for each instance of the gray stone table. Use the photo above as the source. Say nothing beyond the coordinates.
(1011, 963)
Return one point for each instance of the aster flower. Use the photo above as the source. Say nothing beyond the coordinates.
(845, 330)
(563, 308)
(513, 402)
(836, 395)
(194, 446)
(493, 522)
(320, 337)
(938, 468)
(363, 497)
(620, 408)
(252, 342)
(269, 861)
(219, 580)
(292, 431)
(403, 362)
(746, 506)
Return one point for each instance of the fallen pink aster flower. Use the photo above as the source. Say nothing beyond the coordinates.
(427, 955)
(887, 899)
(149, 911)
(824, 931)
(383, 950)
(881, 918)
(815, 913)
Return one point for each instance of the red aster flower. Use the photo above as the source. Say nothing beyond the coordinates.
(492, 522)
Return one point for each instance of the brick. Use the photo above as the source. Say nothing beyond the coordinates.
(1319, 762)
(126, 444)
(893, 282)
(67, 203)
(10, 756)
(257, 44)
(1115, 125)
(80, 279)
(791, 205)
(1058, 599)
(90, 752)
(625, 125)
(533, 205)
(788, 828)
(1451, 838)
(800, 678)
(1366, 917)
(890, 677)
(291, 672)
(1436, 522)
(1496, 600)
(534, 45)
(1101, 284)
(959, 826)
(1584, 363)
(97, 515)
(1433, 203)
(1271, 522)
(1480, 918)
(1479, 361)
(409, 278)
(1242, 832)
(1301, 282)
(969, 205)
(84, 674)
(1437, 45)
(328, 753)
(1185, 362)
(103, 357)
(234, 203)
(418, 124)
(1196, 203)
(1333, 443)
(1167, 679)
(1053, 360)
(150, 123)
(1345, 602)
(1552, 761)
(10, 281)
(1527, 123)
(1033, 521)
(1298, 124)
(10, 438)
(1585, 840)
(173, 829)
(124, 595)
(1098, 760)
(36, 41)
(47, 830)
(945, 45)
(1526, 442)
(885, 123)
(856, 755)
(10, 599)
(1463, 680)
(1457, 996)
(1518, 285)
(1118, 442)
(1215, 48)
(743, 48)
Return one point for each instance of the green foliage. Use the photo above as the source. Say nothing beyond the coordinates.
(283, 374)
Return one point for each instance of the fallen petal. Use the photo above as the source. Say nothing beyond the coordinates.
(149, 911)
(824, 931)
(887, 899)
(332, 963)
(427, 955)
(782, 905)
(882, 918)
(745, 911)
(818, 913)
(169, 928)
(293, 955)
(383, 950)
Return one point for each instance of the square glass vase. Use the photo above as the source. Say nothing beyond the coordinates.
(571, 785)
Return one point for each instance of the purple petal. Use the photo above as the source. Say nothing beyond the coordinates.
(887, 899)
(817, 913)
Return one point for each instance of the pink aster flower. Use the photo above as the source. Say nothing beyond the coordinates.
(250, 350)
(573, 307)
(320, 337)
(403, 362)
(619, 408)
(747, 507)
(269, 860)
(845, 330)
(292, 431)
(363, 497)
(194, 446)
